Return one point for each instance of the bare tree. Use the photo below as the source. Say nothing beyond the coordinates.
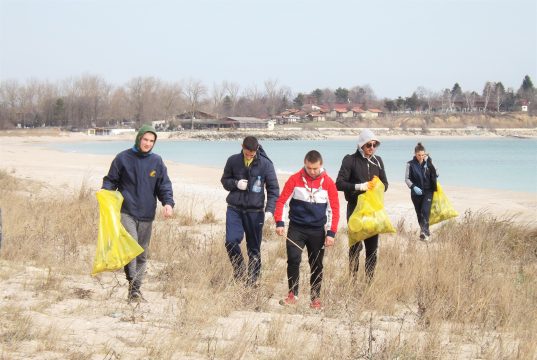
(499, 93)
(232, 92)
(426, 97)
(446, 100)
(119, 106)
(194, 91)
(363, 95)
(218, 95)
(170, 100)
(488, 90)
(10, 103)
(142, 97)
(470, 98)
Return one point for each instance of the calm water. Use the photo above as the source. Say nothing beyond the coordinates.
(499, 163)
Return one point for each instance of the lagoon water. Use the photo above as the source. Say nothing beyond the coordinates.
(492, 163)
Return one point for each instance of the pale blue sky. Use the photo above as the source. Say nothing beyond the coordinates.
(394, 46)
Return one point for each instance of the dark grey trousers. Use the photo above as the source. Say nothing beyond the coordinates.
(141, 232)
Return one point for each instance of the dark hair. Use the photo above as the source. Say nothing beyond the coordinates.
(313, 156)
(250, 143)
(419, 147)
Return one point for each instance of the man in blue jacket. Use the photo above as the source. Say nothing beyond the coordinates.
(141, 177)
(246, 175)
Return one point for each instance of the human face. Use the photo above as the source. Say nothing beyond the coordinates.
(147, 142)
(370, 147)
(313, 169)
(420, 156)
(249, 154)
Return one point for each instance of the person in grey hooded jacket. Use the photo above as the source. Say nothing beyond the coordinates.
(355, 174)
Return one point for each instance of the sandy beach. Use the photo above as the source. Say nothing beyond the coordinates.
(29, 158)
(195, 312)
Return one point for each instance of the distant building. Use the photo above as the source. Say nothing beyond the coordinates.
(196, 115)
(316, 116)
(203, 124)
(372, 113)
(250, 123)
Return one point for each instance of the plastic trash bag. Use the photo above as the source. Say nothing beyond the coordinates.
(441, 208)
(369, 218)
(115, 246)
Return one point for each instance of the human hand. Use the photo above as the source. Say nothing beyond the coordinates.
(268, 216)
(280, 230)
(329, 241)
(167, 211)
(242, 184)
(417, 190)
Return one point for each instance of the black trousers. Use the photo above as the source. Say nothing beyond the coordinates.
(298, 237)
(422, 205)
(371, 246)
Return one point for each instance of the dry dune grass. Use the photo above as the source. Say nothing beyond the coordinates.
(471, 293)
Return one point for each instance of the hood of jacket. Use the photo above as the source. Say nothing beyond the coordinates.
(366, 136)
(261, 152)
(144, 129)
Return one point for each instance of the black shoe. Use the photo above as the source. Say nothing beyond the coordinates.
(136, 296)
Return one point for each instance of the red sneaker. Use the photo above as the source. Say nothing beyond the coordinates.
(316, 304)
(291, 299)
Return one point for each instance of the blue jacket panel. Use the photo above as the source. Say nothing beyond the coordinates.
(261, 166)
(141, 179)
(421, 175)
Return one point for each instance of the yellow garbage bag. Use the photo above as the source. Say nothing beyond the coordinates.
(441, 208)
(369, 218)
(115, 246)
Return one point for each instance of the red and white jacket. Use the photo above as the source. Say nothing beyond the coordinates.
(314, 202)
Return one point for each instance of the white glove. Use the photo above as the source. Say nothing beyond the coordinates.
(268, 215)
(361, 187)
(242, 184)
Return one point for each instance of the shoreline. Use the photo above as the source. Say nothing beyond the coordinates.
(282, 134)
(63, 172)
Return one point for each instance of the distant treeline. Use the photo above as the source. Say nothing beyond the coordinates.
(90, 100)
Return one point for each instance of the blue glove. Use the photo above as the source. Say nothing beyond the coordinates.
(417, 190)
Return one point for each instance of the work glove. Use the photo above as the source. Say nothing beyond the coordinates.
(417, 190)
(242, 184)
(364, 186)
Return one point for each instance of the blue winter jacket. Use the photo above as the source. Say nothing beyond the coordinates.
(141, 178)
(261, 166)
(421, 175)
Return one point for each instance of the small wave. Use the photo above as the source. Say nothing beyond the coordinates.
(283, 172)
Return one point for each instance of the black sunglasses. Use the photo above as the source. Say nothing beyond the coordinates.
(370, 145)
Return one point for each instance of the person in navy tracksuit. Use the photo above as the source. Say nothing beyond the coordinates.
(141, 177)
(246, 176)
(420, 177)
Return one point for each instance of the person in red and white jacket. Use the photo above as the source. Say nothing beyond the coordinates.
(313, 222)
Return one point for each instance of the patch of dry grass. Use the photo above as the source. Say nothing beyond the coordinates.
(467, 294)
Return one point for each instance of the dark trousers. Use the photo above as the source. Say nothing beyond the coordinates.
(371, 246)
(141, 232)
(239, 223)
(299, 237)
(422, 205)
